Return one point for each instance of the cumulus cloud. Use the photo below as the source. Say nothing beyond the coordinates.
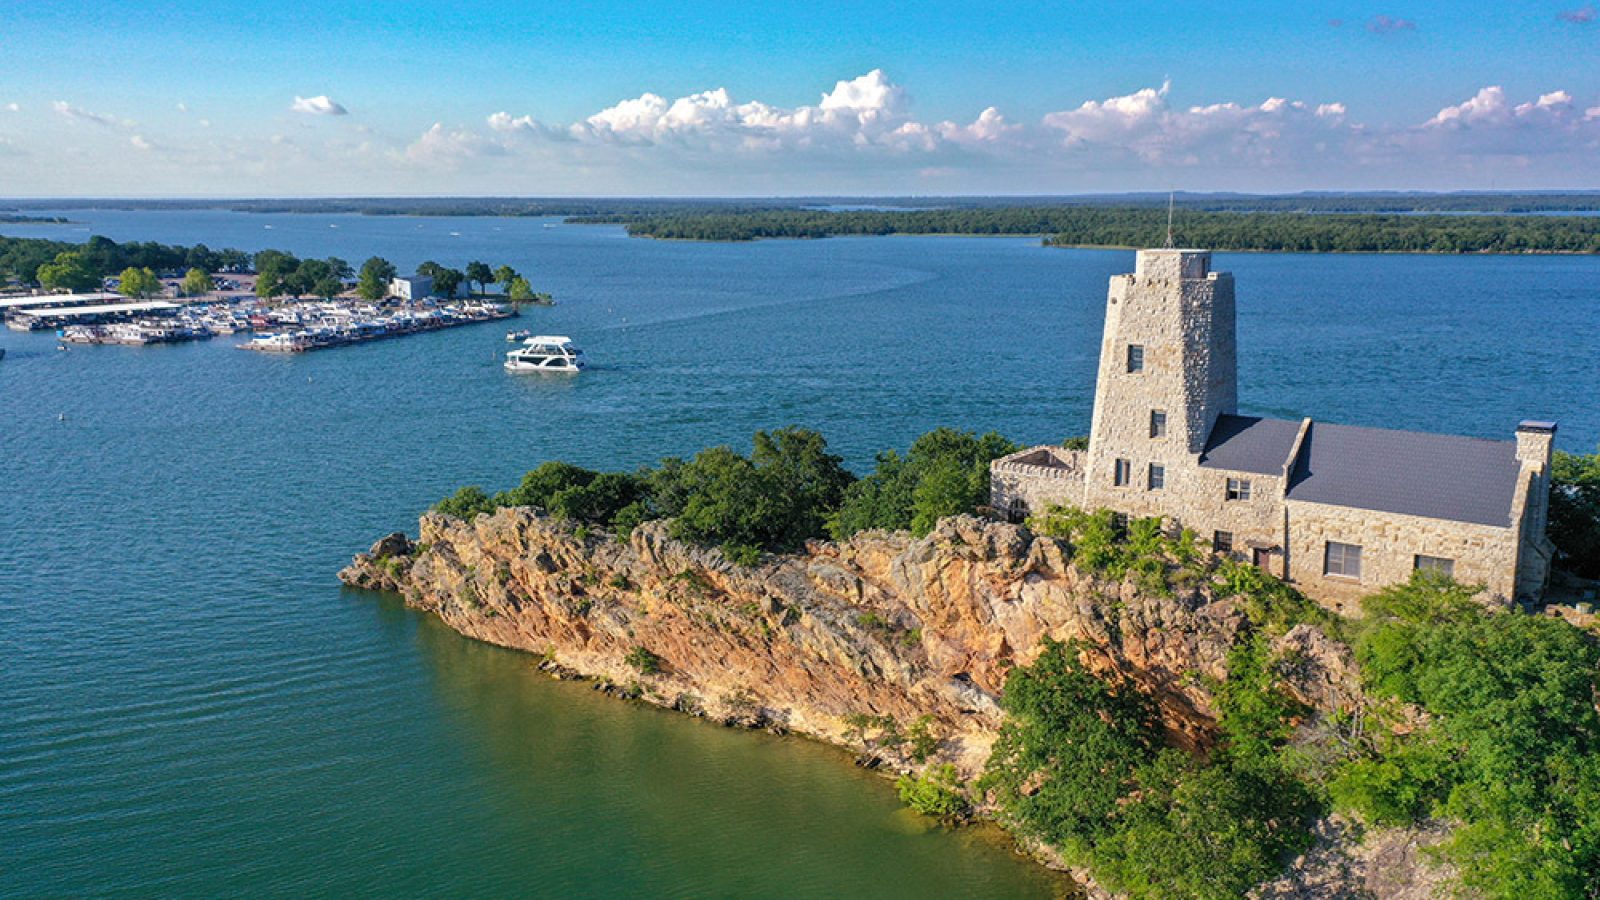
(140, 142)
(322, 105)
(78, 114)
(1580, 16)
(13, 107)
(1490, 106)
(1382, 24)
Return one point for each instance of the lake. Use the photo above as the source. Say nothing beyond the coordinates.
(192, 705)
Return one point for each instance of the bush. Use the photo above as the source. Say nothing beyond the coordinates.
(1080, 764)
(936, 794)
(944, 473)
(776, 499)
(599, 500)
(643, 661)
(1513, 746)
(540, 486)
(466, 503)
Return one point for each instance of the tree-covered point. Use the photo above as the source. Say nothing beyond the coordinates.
(788, 490)
(1144, 226)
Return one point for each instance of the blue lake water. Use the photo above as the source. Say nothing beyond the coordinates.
(191, 704)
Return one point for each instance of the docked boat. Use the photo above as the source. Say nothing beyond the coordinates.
(546, 353)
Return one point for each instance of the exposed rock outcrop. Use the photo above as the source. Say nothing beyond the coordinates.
(881, 625)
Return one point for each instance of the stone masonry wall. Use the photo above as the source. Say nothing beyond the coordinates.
(1390, 542)
(1035, 479)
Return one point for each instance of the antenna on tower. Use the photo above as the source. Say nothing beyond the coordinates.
(1171, 196)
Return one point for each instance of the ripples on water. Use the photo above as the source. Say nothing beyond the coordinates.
(191, 705)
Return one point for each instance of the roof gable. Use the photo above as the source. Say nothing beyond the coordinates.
(1250, 444)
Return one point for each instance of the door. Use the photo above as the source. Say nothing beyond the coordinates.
(1261, 557)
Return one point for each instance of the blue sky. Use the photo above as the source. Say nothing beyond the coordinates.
(484, 96)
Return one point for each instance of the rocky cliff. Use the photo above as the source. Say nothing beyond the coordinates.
(881, 625)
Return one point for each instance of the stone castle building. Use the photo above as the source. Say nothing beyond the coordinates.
(1337, 510)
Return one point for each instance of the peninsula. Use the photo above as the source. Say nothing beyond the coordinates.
(1164, 715)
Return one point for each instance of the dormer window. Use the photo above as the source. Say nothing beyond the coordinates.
(1135, 358)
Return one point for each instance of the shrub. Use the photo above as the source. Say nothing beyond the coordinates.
(944, 473)
(924, 742)
(541, 485)
(1513, 746)
(466, 503)
(643, 661)
(742, 554)
(936, 794)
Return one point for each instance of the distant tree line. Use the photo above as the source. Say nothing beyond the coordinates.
(1087, 226)
(61, 265)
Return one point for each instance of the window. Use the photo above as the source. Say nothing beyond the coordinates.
(1158, 423)
(1343, 560)
(1222, 542)
(1123, 474)
(1017, 510)
(1158, 477)
(1135, 357)
(1438, 565)
(1238, 489)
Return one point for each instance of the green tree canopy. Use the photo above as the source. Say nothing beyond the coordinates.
(479, 273)
(505, 275)
(136, 282)
(945, 472)
(1575, 512)
(373, 283)
(69, 271)
(197, 283)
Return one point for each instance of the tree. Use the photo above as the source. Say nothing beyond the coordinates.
(447, 281)
(197, 283)
(479, 273)
(505, 275)
(373, 283)
(69, 271)
(276, 274)
(1575, 512)
(945, 473)
(519, 290)
(136, 282)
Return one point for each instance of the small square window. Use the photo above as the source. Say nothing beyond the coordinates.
(1238, 489)
(1158, 423)
(1222, 542)
(1135, 357)
(1438, 565)
(1343, 560)
(1158, 477)
(1123, 474)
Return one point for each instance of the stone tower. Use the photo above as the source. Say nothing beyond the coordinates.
(1168, 369)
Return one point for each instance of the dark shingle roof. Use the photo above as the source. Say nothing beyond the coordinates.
(1250, 444)
(1438, 476)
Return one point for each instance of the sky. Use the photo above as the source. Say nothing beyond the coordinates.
(873, 97)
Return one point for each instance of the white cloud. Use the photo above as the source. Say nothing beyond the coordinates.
(1490, 106)
(183, 107)
(140, 142)
(13, 107)
(78, 114)
(322, 105)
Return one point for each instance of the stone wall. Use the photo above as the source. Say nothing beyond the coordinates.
(1390, 542)
(1036, 479)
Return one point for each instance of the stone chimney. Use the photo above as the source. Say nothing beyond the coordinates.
(1535, 443)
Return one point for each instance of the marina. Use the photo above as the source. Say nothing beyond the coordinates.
(340, 325)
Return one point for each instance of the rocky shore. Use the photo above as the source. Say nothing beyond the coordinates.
(882, 625)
